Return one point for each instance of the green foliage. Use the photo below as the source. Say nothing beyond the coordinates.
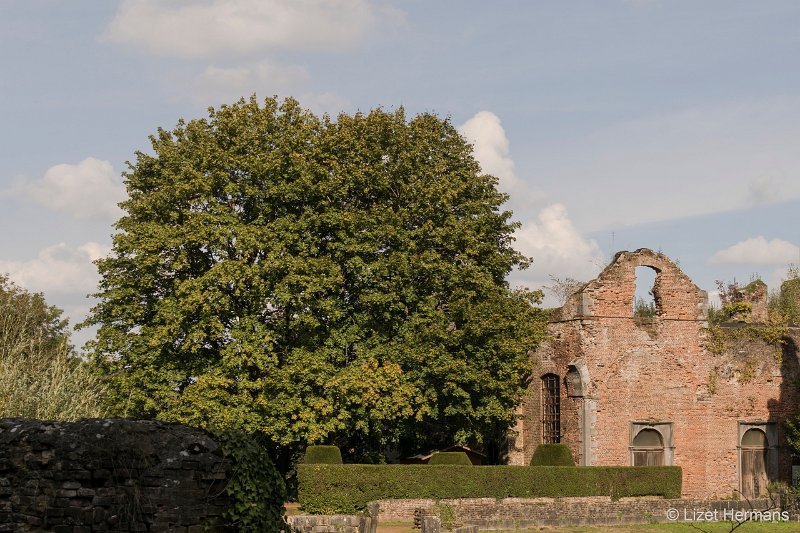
(643, 308)
(28, 326)
(774, 332)
(325, 455)
(450, 458)
(736, 311)
(39, 375)
(734, 305)
(792, 427)
(446, 514)
(256, 489)
(786, 301)
(332, 489)
(552, 455)
(315, 280)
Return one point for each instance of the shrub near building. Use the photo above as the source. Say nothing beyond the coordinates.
(346, 489)
(322, 455)
(450, 458)
(552, 455)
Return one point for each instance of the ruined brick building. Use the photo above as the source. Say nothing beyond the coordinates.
(625, 390)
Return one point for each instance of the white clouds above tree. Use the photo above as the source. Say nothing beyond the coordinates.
(240, 27)
(87, 190)
(58, 269)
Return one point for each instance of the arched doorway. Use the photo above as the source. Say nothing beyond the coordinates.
(647, 448)
(754, 461)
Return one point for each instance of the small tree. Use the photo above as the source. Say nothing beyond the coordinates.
(786, 300)
(39, 375)
(563, 288)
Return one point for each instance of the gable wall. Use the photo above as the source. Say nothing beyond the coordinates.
(658, 370)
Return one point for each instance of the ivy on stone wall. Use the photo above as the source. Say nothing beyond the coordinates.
(256, 489)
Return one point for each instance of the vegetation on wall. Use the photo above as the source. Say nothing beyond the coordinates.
(786, 300)
(734, 309)
(643, 308)
(40, 377)
(333, 489)
(316, 280)
(255, 488)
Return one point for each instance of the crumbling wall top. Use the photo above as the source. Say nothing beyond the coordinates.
(611, 294)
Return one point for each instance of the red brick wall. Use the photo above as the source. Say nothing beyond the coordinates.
(659, 370)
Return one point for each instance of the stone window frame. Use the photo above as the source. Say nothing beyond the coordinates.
(770, 429)
(664, 428)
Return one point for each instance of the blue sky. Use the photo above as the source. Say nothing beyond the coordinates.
(613, 124)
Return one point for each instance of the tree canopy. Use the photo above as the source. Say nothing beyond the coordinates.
(317, 280)
(39, 377)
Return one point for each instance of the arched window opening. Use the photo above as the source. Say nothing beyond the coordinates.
(644, 302)
(754, 438)
(551, 409)
(755, 458)
(648, 448)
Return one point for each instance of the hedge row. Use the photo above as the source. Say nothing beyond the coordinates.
(450, 458)
(346, 489)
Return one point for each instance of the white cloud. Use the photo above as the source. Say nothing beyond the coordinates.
(763, 190)
(227, 84)
(670, 165)
(220, 28)
(89, 189)
(557, 248)
(552, 240)
(59, 269)
(491, 149)
(758, 251)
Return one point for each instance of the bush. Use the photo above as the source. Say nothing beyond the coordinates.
(346, 489)
(552, 455)
(322, 455)
(450, 458)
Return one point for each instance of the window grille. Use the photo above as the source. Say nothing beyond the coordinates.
(551, 409)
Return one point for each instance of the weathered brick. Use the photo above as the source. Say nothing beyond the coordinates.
(657, 370)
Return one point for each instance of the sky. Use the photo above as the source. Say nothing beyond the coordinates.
(612, 124)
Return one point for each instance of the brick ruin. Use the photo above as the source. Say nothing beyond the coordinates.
(625, 390)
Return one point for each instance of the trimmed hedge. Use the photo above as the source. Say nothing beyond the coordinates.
(450, 458)
(552, 455)
(346, 489)
(322, 455)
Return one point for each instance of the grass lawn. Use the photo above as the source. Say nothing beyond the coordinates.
(678, 527)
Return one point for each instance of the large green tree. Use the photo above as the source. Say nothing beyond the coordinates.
(316, 280)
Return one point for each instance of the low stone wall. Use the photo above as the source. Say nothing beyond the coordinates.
(332, 524)
(109, 475)
(432, 524)
(512, 513)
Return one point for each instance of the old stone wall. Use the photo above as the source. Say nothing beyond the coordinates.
(519, 513)
(109, 475)
(332, 524)
(659, 372)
